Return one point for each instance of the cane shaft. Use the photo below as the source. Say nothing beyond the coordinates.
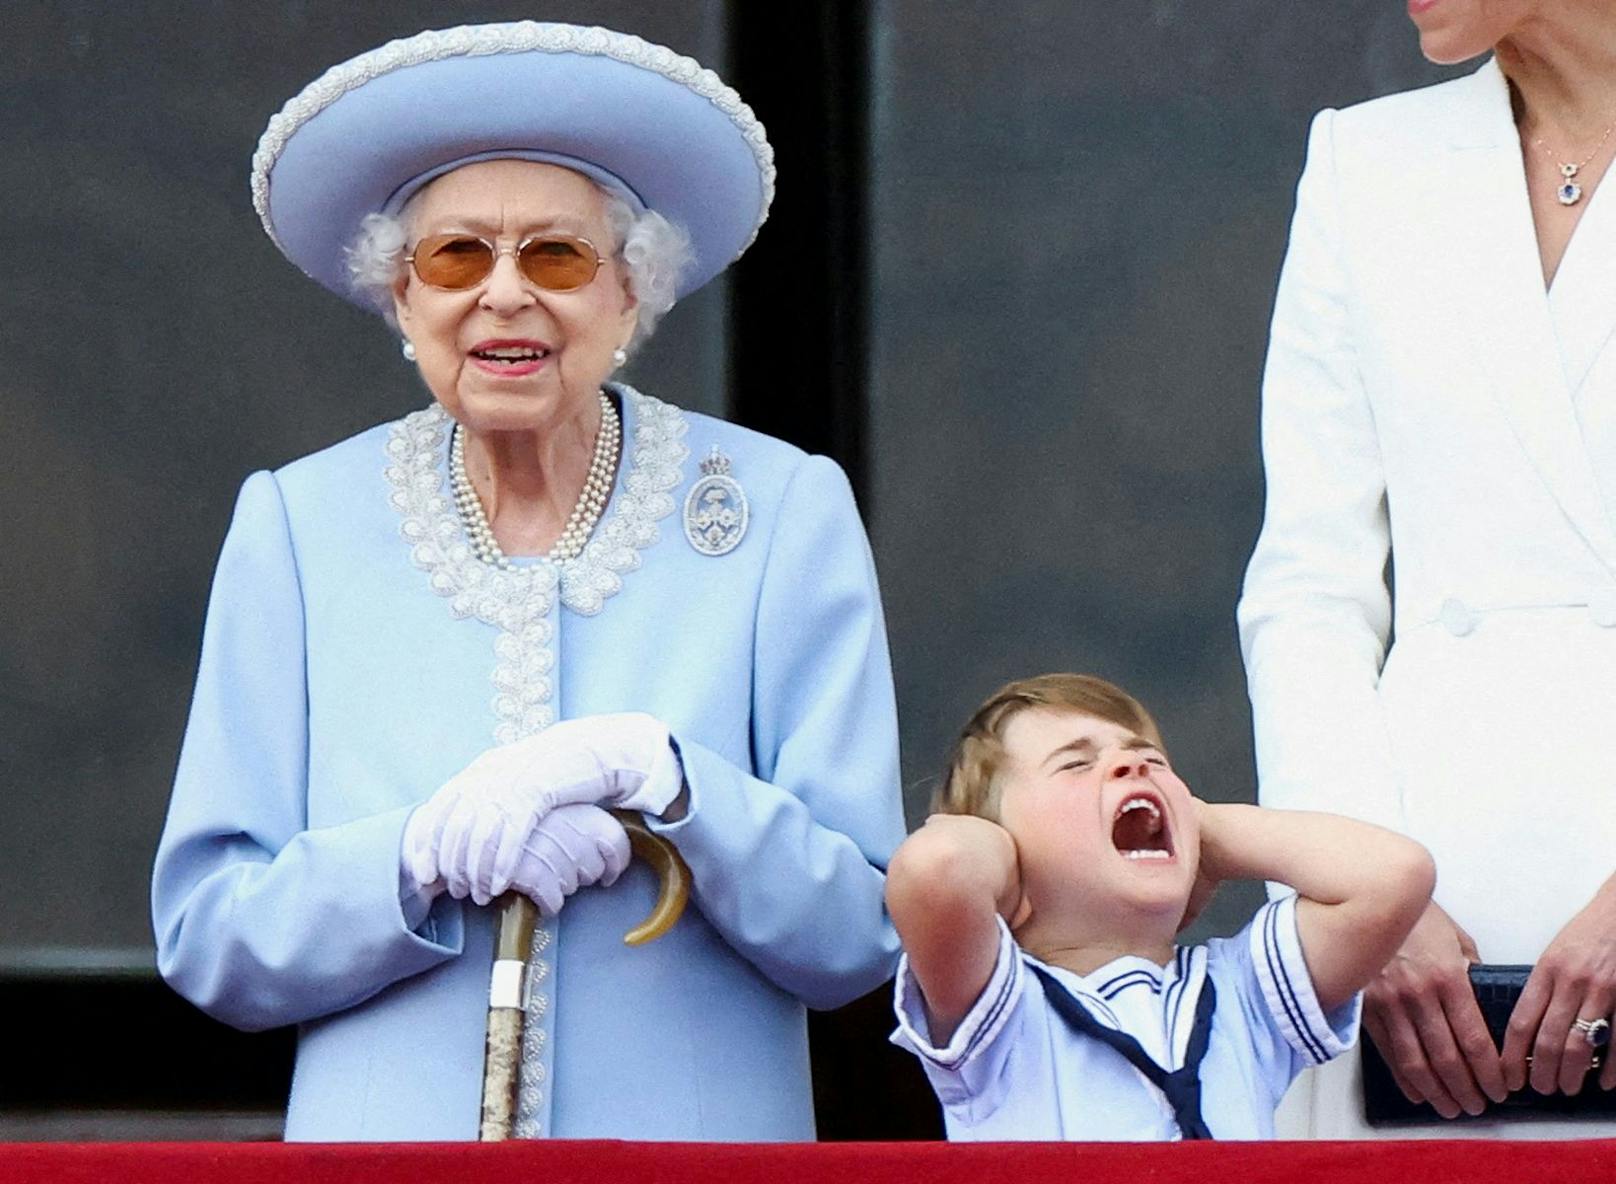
(502, 1069)
(502, 1057)
(513, 946)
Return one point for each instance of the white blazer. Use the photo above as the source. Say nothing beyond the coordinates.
(1425, 399)
(1422, 395)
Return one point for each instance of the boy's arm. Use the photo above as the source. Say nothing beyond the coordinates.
(947, 885)
(1361, 888)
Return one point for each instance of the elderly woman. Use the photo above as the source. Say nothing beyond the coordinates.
(1441, 389)
(436, 652)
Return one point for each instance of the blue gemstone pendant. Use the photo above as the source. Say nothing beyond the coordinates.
(1570, 193)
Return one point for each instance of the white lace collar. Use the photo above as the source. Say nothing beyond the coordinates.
(653, 465)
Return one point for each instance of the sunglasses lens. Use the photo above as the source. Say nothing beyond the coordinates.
(558, 264)
(453, 260)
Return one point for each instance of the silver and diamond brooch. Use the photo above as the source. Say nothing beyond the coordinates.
(716, 513)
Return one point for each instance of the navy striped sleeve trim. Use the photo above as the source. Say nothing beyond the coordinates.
(1276, 955)
(980, 1025)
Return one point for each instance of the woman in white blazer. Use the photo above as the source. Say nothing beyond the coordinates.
(1441, 390)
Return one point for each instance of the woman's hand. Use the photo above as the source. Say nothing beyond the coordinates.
(1574, 979)
(470, 834)
(571, 847)
(1422, 1015)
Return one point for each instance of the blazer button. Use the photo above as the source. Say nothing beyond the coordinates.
(1602, 607)
(1456, 618)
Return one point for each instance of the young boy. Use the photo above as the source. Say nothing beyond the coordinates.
(1041, 985)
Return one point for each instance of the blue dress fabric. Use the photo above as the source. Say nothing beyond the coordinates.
(356, 656)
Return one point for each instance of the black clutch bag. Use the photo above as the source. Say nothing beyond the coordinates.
(1497, 989)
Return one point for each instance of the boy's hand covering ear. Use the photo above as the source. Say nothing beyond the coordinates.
(948, 886)
(1012, 903)
(1206, 876)
(997, 848)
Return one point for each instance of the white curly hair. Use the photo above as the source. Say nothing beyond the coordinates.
(655, 253)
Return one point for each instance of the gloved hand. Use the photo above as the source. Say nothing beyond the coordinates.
(570, 848)
(470, 833)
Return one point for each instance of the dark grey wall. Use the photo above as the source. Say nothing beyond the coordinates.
(1079, 209)
(1075, 215)
(154, 349)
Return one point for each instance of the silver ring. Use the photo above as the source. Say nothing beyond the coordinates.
(1595, 1032)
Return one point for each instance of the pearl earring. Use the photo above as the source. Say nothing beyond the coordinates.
(619, 356)
(407, 348)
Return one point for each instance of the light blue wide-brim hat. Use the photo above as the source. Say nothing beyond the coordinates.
(648, 123)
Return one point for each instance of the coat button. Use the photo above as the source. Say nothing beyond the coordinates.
(1456, 618)
(1602, 607)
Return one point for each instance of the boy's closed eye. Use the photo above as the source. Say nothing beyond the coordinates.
(1080, 763)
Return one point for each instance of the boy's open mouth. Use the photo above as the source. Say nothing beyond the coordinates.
(1139, 831)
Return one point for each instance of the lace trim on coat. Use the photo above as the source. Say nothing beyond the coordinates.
(517, 602)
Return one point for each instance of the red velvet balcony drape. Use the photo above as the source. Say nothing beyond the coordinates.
(1448, 1162)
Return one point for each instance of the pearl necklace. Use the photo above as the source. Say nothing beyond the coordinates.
(585, 515)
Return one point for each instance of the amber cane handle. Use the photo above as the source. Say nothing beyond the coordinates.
(502, 1061)
(673, 877)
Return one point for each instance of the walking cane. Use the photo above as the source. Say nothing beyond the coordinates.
(513, 945)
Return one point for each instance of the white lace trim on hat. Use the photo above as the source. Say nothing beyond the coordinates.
(519, 37)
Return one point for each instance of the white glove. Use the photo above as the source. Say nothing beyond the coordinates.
(470, 833)
(570, 848)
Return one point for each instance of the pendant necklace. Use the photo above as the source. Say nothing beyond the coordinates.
(1569, 192)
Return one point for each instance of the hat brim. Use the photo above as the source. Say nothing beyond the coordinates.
(369, 132)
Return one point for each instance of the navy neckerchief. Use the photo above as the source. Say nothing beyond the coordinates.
(1181, 1087)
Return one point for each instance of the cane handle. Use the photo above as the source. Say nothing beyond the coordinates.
(672, 872)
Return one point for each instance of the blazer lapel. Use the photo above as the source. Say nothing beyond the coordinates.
(1498, 293)
(1582, 301)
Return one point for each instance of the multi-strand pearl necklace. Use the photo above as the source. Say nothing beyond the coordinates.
(592, 500)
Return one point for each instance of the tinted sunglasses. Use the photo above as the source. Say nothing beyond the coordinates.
(554, 262)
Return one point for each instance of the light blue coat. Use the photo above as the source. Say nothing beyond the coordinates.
(356, 656)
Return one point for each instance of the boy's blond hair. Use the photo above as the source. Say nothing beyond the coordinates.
(970, 785)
